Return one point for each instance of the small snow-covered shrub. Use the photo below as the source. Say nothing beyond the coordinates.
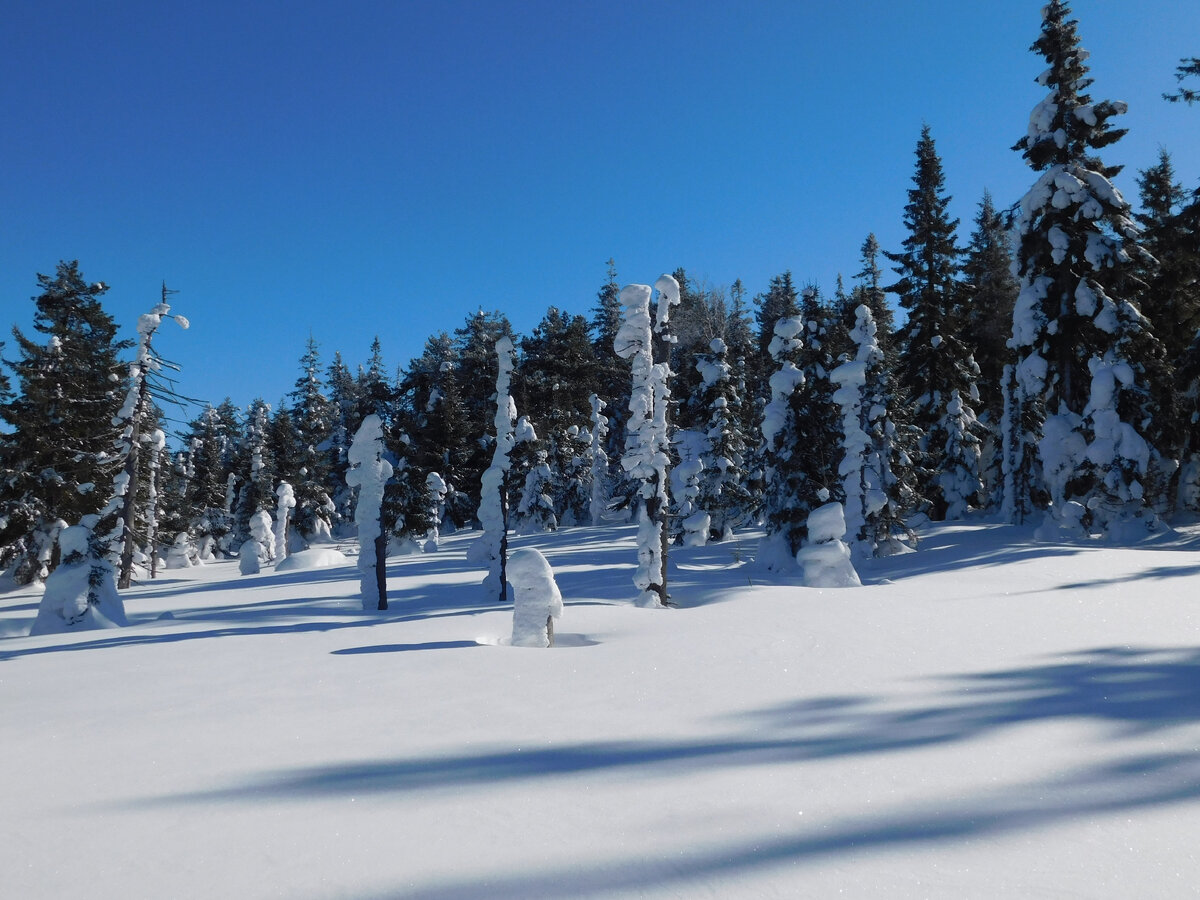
(536, 599)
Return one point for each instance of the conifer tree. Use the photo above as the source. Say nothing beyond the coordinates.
(612, 371)
(934, 364)
(312, 420)
(1189, 67)
(1082, 345)
(60, 453)
(723, 493)
(990, 291)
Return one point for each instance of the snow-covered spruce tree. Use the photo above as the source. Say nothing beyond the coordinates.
(788, 495)
(435, 499)
(285, 502)
(312, 418)
(84, 595)
(613, 372)
(535, 512)
(646, 459)
(861, 481)
(491, 547)
(723, 492)
(155, 451)
(1081, 346)
(934, 362)
(210, 478)
(343, 401)
(556, 374)
(475, 346)
(59, 422)
(599, 458)
(255, 467)
(137, 421)
(369, 473)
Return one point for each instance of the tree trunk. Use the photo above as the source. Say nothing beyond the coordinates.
(381, 568)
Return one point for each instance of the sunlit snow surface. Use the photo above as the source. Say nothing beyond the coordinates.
(986, 717)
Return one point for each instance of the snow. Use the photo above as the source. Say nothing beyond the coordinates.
(314, 558)
(986, 717)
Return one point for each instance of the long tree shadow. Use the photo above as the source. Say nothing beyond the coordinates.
(1144, 781)
(1135, 691)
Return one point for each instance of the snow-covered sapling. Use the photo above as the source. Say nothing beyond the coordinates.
(599, 436)
(435, 493)
(260, 532)
(369, 472)
(283, 515)
(248, 562)
(825, 558)
(75, 599)
(536, 599)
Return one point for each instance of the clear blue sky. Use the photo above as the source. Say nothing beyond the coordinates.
(367, 168)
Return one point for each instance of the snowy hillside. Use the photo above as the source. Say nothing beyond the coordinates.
(986, 717)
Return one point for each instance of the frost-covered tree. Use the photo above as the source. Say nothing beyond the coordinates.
(934, 363)
(137, 421)
(343, 396)
(723, 492)
(491, 547)
(59, 456)
(285, 502)
(537, 601)
(369, 472)
(646, 460)
(312, 418)
(256, 468)
(535, 511)
(1081, 345)
(599, 458)
(788, 494)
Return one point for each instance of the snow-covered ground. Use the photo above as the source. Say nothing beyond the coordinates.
(987, 717)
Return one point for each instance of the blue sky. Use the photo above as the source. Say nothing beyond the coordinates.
(297, 168)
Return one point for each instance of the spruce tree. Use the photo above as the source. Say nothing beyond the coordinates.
(934, 364)
(311, 419)
(1082, 343)
(60, 456)
(1189, 67)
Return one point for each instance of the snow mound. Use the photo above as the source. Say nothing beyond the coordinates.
(318, 558)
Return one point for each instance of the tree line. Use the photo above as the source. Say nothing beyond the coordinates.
(1047, 364)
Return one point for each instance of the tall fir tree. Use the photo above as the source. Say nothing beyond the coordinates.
(59, 456)
(1082, 344)
(934, 364)
(311, 419)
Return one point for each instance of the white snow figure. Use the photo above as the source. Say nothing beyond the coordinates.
(283, 513)
(436, 489)
(71, 601)
(646, 456)
(182, 553)
(536, 599)
(824, 558)
(248, 562)
(369, 472)
(599, 460)
(489, 549)
(260, 531)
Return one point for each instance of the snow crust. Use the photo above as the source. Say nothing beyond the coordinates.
(313, 558)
